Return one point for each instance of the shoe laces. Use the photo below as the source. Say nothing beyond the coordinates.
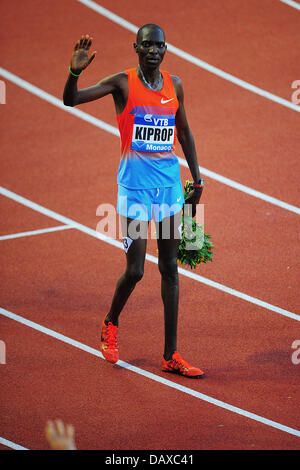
(180, 362)
(110, 335)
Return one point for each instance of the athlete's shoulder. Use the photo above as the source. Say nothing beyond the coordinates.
(122, 79)
(176, 80)
(175, 77)
(177, 83)
(115, 83)
(117, 77)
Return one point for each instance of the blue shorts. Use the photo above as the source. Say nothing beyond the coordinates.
(144, 204)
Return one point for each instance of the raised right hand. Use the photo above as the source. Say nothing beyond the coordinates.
(80, 57)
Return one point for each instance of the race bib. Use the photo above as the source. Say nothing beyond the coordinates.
(153, 133)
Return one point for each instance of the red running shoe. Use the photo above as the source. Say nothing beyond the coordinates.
(109, 347)
(178, 365)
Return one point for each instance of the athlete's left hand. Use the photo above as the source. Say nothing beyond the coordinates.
(191, 202)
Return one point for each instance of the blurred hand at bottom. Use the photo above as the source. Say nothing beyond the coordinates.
(59, 436)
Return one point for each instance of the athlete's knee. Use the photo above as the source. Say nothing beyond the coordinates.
(134, 274)
(168, 268)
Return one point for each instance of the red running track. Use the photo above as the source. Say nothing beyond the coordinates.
(64, 280)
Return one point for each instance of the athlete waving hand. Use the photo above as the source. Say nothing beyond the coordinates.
(150, 112)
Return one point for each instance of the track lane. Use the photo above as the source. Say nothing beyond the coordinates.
(231, 226)
(233, 341)
(257, 39)
(29, 87)
(51, 353)
(110, 239)
(53, 84)
(20, 218)
(224, 110)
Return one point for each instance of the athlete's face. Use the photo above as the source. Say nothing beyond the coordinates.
(151, 47)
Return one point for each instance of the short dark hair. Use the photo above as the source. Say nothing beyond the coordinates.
(150, 26)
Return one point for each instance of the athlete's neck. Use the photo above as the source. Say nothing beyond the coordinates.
(151, 78)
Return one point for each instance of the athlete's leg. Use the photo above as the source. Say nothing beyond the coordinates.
(135, 258)
(168, 244)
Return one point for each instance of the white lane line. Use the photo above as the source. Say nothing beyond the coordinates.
(56, 102)
(35, 232)
(152, 259)
(192, 59)
(113, 130)
(291, 4)
(245, 189)
(151, 376)
(11, 444)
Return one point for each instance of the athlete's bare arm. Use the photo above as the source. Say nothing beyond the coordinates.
(186, 140)
(117, 84)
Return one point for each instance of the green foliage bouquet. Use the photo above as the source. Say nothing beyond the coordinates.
(195, 246)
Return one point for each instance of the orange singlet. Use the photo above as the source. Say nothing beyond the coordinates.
(147, 129)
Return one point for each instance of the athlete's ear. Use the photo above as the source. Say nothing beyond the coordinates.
(135, 46)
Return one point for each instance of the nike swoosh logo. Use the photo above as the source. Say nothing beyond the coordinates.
(166, 101)
(178, 199)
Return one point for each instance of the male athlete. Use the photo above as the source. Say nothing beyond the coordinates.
(149, 107)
